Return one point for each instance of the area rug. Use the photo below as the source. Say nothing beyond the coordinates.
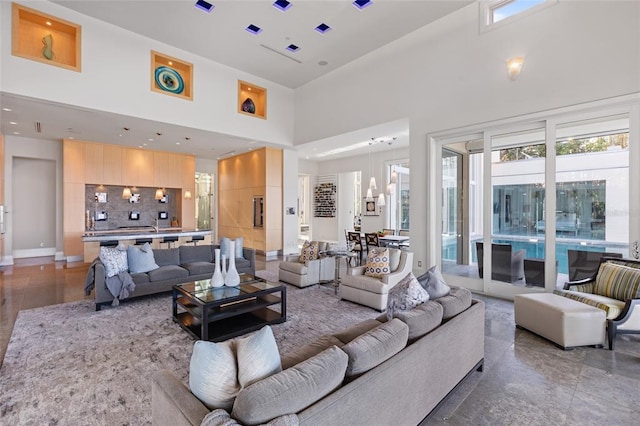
(70, 365)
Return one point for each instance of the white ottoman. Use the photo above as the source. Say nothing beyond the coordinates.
(565, 322)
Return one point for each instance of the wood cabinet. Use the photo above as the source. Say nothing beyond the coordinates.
(94, 167)
(167, 170)
(137, 167)
(73, 161)
(112, 165)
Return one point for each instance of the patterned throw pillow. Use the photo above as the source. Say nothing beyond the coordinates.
(377, 262)
(309, 251)
(405, 295)
(114, 259)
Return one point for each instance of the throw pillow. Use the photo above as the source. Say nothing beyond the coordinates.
(220, 417)
(213, 374)
(225, 247)
(405, 295)
(434, 283)
(310, 251)
(114, 259)
(141, 259)
(239, 253)
(258, 356)
(377, 262)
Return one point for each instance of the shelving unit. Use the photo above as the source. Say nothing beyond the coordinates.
(30, 30)
(252, 98)
(179, 75)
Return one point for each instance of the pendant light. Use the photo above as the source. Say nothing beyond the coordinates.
(159, 194)
(394, 175)
(369, 195)
(381, 201)
(372, 180)
(126, 193)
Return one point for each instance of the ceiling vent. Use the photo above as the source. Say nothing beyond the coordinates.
(280, 53)
(37, 126)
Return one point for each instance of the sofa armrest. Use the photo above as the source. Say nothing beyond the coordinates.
(585, 285)
(172, 404)
(102, 293)
(405, 266)
(250, 255)
(291, 258)
(356, 270)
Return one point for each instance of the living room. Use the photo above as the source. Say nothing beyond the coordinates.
(448, 75)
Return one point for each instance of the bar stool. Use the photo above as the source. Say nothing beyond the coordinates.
(169, 240)
(140, 241)
(109, 243)
(194, 239)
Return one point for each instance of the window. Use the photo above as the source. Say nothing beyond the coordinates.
(398, 217)
(501, 11)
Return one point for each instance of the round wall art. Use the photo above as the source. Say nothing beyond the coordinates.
(169, 80)
(249, 106)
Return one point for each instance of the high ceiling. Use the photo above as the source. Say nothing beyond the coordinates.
(221, 36)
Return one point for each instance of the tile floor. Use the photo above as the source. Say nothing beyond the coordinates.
(526, 379)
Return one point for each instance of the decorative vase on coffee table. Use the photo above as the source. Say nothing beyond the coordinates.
(232, 278)
(223, 266)
(217, 280)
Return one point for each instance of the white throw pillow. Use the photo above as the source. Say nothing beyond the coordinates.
(258, 356)
(114, 259)
(405, 295)
(213, 375)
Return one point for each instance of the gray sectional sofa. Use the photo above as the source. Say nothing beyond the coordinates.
(377, 372)
(176, 265)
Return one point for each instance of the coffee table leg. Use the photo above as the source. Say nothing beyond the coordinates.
(204, 327)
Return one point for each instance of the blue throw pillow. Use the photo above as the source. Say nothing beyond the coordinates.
(224, 247)
(239, 254)
(141, 259)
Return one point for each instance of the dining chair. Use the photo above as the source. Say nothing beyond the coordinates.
(387, 231)
(371, 240)
(403, 232)
(357, 244)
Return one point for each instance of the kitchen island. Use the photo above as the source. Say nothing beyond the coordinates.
(127, 236)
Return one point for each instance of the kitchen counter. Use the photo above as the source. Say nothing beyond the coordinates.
(146, 232)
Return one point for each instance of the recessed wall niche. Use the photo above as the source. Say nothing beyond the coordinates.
(45, 38)
(171, 76)
(252, 100)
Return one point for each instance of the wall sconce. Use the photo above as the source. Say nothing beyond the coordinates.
(126, 193)
(514, 66)
(187, 194)
(159, 194)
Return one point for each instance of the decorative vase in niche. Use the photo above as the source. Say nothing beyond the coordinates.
(232, 278)
(249, 106)
(217, 280)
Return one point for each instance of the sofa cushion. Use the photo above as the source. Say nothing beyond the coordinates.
(191, 254)
(169, 272)
(405, 295)
(257, 356)
(309, 251)
(225, 247)
(375, 346)
(456, 301)
(420, 320)
(242, 264)
(302, 353)
(141, 259)
(617, 281)
(166, 257)
(292, 390)
(199, 268)
(213, 374)
(434, 283)
(220, 417)
(239, 247)
(345, 336)
(364, 282)
(114, 259)
(140, 278)
(377, 262)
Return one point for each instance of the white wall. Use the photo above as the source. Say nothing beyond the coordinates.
(116, 77)
(16, 146)
(448, 75)
(290, 199)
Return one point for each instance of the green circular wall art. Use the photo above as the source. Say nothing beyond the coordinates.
(169, 80)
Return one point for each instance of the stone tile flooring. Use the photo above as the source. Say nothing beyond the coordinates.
(526, 379)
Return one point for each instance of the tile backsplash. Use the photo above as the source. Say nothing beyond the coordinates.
(119, 212)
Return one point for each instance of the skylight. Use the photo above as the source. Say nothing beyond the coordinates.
(506, 9)
(361, 4)
(282, 4)
(253, 29)
(323, 28)
(292, 48)
(204, 5)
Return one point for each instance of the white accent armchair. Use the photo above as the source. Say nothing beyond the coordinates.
(373, 292)
(309, 273)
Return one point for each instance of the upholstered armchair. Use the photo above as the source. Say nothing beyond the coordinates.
(357, 287)
(309, 272)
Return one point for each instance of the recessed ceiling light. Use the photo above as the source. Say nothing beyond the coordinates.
(16, 133)
(292, 48)
(177, 143)
(48, 23)
(253, 29)
(150, 139)
(204, 5)
(71, 137)
(323, 28)
(13, 122)
(282, 5)
(144, 144)
(7, 109)
(120, 135)
(361, 4)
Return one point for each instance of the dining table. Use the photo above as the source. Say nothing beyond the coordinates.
(393, 240)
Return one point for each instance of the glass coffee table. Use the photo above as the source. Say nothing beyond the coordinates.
(220, 313)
